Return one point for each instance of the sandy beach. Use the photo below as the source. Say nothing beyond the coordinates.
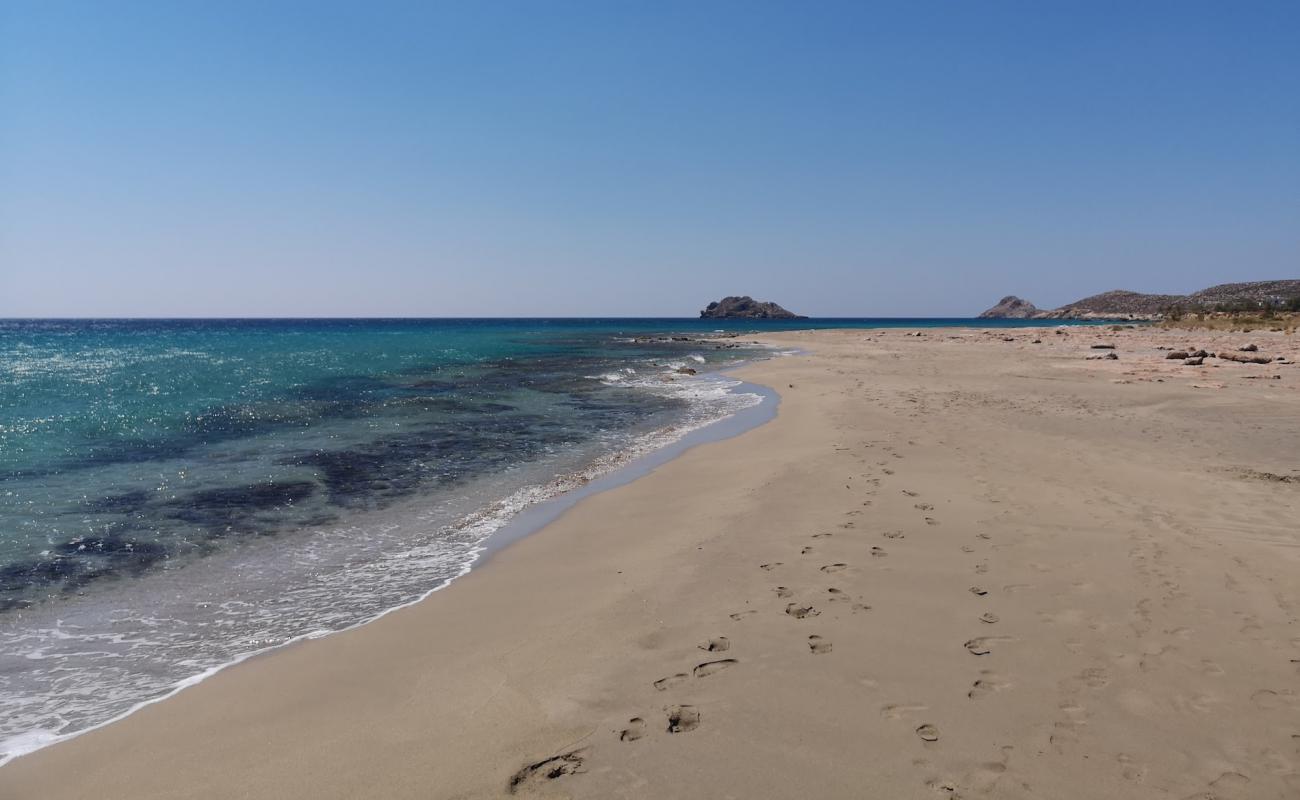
(957, 564)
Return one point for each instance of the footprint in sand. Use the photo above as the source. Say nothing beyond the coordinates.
(967, 548)
(900, 710)
(981, 646)
(923, 507)
(981, 568)
(978, 591)
(784, 591)
(714, 667)
(893, 535)
(1095, 677)
(805, 551)
(571, 763)
(986, 685)
(769, 567)
(635, 730)
(911, 493)
(1129, 768)
(887, 471)
(799, 612)
(739, 615)
(836, 567)
(664, 684)
(682, 719)
(931, 521)
(1268, 700)
(879, 552)
(983, 536)
(822, 535)
(837, 595)
(928, 733)
(717, 644)
(989, 617)
(818, 645)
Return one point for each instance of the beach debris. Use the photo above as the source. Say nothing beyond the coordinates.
(1269, 476)
(1245, 359)
(1173, 354)
(1100, 357)
(685, 371)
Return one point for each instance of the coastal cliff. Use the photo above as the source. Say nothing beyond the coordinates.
(746, 307)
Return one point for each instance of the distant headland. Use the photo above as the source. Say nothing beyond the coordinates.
(746, 307)
(1283, 295)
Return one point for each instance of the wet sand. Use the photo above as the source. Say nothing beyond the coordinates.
(959, 564)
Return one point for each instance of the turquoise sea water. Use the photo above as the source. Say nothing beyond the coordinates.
(176, 494)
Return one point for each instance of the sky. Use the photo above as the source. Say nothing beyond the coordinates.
(617, 158)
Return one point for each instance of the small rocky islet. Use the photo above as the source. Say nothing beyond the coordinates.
(746, 307)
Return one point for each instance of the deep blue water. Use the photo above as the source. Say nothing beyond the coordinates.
(176, 493)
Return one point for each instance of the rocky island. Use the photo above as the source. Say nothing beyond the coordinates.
(746, 307)
(1011, 307)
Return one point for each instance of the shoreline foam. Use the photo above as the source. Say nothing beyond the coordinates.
(501, 522)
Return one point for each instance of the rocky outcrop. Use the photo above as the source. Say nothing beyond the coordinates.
(1012, 307)
(1259, 294)
(1117, 304)
(1121, 304)
(745, 307)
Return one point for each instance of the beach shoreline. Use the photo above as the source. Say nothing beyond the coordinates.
(899, 473)
(613, 469)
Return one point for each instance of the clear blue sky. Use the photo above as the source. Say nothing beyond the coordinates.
(620, 158)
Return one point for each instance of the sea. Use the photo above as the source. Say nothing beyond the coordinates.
(177, 495)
